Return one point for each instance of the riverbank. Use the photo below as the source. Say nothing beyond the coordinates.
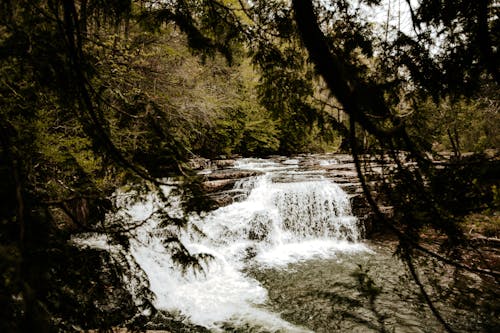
(283, 227)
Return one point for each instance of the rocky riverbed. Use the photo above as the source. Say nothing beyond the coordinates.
(276, 264)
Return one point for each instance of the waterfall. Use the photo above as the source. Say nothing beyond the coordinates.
(285, 216)
(280, 216)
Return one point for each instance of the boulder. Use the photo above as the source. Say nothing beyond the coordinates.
(211, 186)
(199, 163)
(231, 174)
(227, 163)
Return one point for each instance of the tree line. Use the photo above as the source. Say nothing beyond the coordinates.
(97, 95)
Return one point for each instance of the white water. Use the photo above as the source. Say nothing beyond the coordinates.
(281, 221)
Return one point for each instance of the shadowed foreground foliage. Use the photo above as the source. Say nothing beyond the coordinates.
(97, 95)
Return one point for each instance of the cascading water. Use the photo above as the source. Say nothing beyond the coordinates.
(281, 219)
(286, 216)
(286, 253)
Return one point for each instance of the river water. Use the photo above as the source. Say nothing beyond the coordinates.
(288, 256)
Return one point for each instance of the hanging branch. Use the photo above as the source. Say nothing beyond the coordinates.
(14, 169)
(71, 30)
(404, 239)
(345, 86)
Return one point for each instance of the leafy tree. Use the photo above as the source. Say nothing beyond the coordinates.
(76, 123)
(92, 96)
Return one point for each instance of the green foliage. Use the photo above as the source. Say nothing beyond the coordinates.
(469, 32)
(466, 186)
(460, 125)
(286, 88)
(90, 102)
(96, 94)
(259, 136)
(242, 131)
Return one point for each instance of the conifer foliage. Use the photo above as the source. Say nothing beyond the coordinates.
(98, 94)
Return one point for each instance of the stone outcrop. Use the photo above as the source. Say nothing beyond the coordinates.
(220, 179)
(219, 183)
(201, 163)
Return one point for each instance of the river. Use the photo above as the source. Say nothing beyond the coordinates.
(287, 256)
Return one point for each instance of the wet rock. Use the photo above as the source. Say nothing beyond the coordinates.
(228, 163)
(218, 185)
(259, 231)
(227, 197)
(250, 252)
(350, 188)
(224, 180)
(164, 322)
(221, 178)
(199, 163)
(231, 174)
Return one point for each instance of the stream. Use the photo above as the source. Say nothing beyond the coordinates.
(287, 256)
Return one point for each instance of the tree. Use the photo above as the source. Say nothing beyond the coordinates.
(417, 197)
(77, 121)
(78, 118)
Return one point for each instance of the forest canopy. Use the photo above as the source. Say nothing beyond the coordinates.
(96, 95)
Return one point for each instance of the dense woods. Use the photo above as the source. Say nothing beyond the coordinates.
(96, 95)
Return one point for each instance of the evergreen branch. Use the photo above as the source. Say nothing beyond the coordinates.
(404, 239)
